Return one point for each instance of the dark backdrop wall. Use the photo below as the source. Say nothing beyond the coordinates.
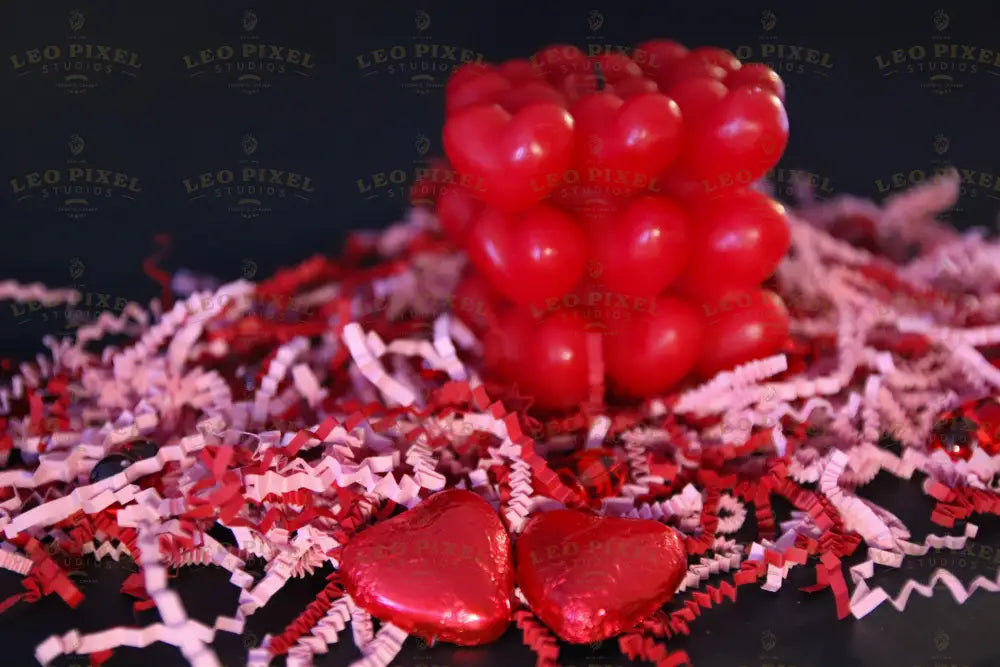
(124, 119)
(131, 105)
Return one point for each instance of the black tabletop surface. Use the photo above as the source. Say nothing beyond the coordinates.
(883, 115)
(789, 627)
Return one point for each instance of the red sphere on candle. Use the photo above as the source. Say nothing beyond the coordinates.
(649, 355)
(612, 196)
(531, 256)
(643, 248)
(737, 242)
(740, 326)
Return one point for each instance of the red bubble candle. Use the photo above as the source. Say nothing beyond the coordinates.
(610, 196)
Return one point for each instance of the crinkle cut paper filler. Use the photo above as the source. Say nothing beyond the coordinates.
(368, 421)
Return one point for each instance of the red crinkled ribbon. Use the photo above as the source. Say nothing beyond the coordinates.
(684, 463)
(538, 638)
(307, 619)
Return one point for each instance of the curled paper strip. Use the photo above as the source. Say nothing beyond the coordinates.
(296, 411)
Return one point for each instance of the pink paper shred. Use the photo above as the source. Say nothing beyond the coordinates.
(296, 433)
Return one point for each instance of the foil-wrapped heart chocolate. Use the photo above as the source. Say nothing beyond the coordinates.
(441, 571)
(589, 578)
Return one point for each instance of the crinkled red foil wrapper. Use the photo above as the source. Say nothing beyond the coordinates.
(300, 410)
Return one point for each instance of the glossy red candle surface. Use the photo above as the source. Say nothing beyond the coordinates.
(610, 195)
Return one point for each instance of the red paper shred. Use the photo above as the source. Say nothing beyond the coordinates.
(538, 638)
(381, 422)
(100, 657)
(307, 619)
(150, 268)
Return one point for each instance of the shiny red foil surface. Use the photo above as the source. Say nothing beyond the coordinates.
(589, 578)
(441, 570)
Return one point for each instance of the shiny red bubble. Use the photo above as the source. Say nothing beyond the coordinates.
(746, 131)
(651, 353)
(643, 248)
(528, 256)
(716, 56)
(656, 55)
(740, 326)
(513, 156)
(635, 138)
(759, 75)
(737, 240)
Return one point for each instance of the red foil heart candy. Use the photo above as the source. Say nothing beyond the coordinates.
(441, 571)
(589, 578)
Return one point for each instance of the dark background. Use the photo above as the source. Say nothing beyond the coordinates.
(347, 125)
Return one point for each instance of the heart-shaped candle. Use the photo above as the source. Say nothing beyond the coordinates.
(441, 570)
(589, 578)
(518, 159)
(528, 257)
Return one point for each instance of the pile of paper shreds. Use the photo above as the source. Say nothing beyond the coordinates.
(296, 411)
